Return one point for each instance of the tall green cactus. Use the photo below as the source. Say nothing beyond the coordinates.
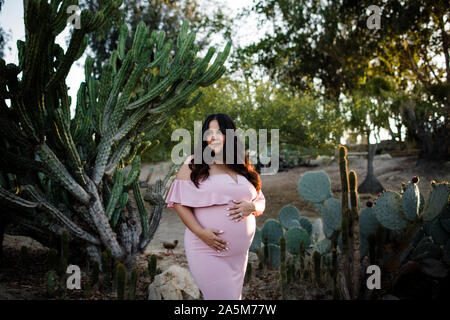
(121, 278)
(152, 264)
(133, 284)
(57, 166)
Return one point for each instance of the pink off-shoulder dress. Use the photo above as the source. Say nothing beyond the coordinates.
(219, 275)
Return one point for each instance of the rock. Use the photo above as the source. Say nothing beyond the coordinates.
(175, 283)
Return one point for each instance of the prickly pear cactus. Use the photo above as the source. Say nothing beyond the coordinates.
(294, 237)
(388, 211)
(332, 214)
(273, 230)
(257, 241)
(274, 256)
(315, 186)
(437, 201)
(411, 202)
(289, 217)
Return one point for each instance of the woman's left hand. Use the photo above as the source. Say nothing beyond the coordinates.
(241, 210)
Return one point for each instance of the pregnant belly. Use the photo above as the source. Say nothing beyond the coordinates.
(238, 234)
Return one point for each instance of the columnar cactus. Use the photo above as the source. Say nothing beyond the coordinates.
(133, 284)
(152, 263)
(121, 277)
(61, 171)
(51, 283)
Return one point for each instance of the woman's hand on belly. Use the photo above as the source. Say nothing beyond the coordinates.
(241, 210)
(208, 236)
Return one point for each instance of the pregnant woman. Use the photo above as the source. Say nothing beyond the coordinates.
(218, 203)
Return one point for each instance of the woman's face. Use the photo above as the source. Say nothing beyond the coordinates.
(214, 136)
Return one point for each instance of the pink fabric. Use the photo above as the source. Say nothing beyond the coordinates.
(219, 276)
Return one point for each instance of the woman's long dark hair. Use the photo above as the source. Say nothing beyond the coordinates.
(243, 167)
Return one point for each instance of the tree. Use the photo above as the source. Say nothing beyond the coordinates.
(3, 35)
(415, 34)
(369, 112)
(61, 173)
(330, 41)
(327, 41)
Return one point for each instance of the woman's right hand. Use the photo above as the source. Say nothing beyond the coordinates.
(209, 237)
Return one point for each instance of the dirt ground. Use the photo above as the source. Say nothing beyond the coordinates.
(279, 190)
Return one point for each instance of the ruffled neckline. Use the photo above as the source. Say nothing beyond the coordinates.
(185, 192)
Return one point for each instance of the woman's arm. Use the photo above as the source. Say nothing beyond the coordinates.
(188, 218)
(207, 235)
(260, 204)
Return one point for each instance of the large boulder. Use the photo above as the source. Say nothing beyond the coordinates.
(175, 283)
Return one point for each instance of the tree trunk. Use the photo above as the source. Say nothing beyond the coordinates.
(370, 183)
